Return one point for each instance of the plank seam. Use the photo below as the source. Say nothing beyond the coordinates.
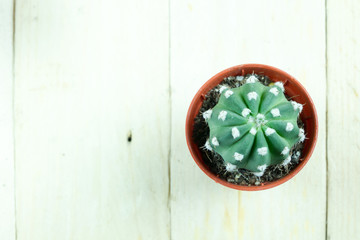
(13, 112)
(170, 118)
(326, 122)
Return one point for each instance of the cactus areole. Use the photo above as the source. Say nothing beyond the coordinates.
(253, 126)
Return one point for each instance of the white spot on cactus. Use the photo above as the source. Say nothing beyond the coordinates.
(228, 93)
(230, 167)
(286, 161)
(252, 95)
(275, 112)
(239, 78)
(260, 120)
(274, 91)
(297, 154)
(289, 127)
(280, 85)
(238, 156)
(262, 169)
(207, 114)
(222, 115)
(269, 131)
(251, 119)
(260, 116)
(285, 151)
(251, 79)
(222, 88)
(207, 145)
(297, 106)
(253, 131)
(245, 112)
(262, 151)
(235, 132)
(215, 142)
(301, 135)
(258, 174)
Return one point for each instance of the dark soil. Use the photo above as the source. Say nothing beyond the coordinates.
(216, 162)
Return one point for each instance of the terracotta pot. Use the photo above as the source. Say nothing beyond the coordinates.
(292, 88)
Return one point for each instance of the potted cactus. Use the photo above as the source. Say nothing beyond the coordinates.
(251, 127)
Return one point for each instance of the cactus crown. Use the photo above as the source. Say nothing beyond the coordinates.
(254, 126)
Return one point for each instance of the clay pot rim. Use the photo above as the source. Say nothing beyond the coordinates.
(215, 80)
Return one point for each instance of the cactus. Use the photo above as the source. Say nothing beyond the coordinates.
(253, 126)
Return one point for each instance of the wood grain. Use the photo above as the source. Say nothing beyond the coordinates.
(343, 51)
(92, 119)
(209, 36)
(7, 193)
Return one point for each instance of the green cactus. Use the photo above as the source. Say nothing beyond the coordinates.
(253, 126)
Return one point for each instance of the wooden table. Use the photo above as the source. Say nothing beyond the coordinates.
(93, 98)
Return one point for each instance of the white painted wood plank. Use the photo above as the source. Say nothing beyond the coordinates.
(87, 74)
(343, 51)
(209, 36)
(7, 201)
